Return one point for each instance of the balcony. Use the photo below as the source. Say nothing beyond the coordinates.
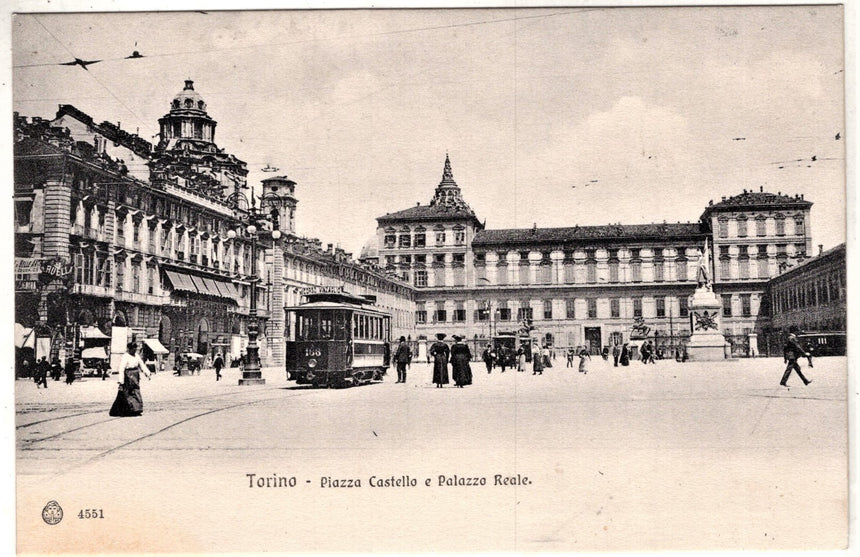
(92, 290)
(138, 298)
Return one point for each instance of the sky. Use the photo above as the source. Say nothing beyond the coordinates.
(555, 117)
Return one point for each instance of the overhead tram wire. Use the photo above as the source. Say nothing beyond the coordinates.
(321, 39)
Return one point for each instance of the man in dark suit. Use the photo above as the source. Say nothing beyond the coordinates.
(402, 357)
(791, 352)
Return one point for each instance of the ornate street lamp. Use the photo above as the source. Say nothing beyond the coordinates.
(254, 221)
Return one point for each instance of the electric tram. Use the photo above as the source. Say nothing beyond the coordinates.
(340, 340)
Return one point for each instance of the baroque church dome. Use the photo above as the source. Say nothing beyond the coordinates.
(188, 99)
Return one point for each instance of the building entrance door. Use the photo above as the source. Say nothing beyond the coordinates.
(592, 339)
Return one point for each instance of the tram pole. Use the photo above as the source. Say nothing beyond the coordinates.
(251, 374)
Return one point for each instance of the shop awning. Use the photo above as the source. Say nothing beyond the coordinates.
(201, 286)
(24, 337)
(92, 332)
(94, 352)
(231, 288)
(156, 347)
(181, 281)
(211, 287)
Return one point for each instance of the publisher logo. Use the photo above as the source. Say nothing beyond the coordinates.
(52, 513)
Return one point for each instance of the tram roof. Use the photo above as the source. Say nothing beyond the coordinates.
(337, 305)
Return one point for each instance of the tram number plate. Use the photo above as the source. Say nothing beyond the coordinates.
(312, 352)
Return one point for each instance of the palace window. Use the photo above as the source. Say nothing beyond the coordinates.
(135, 277)
(547, 309)
(390, 240)
(459, 237)
(780, 225)
(727, 305)
(723, 228)
(799, 229)
(681, 269)
(746, 305)
(150, 280)
(763, 267)
(592, 308)
(460, 312)
(636, 271)
(440, 315)
(545, 271)
(420, 240)
(660, 303)
(120, 276)
(725, 269)
(569, 268)
(570, 308)
(420, 313)
(760, 226)
(614, 307)
(658, 270)
(405, 241)
(504, 311)
(637, 307)
(440, 238)
(613, 271)
(683, 306)
(591, 271)
(524, 271)
(421, 278)
(502, 273)
(742, 227)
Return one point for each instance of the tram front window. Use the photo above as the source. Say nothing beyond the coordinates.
(326, 325)
(308, 326)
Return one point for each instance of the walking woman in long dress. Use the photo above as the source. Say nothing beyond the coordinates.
(461, 372)
(583, 355)
(439, 351)
(537, 361)
(128, 400)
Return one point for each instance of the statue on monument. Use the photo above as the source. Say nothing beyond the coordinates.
(703, 274)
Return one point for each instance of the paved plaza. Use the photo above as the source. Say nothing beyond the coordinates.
(666, 456)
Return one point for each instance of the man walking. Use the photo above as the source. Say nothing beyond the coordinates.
(42, 367)
(791, 352)
(616, 353)
(218, 364)
(487, 356)
(402, 357)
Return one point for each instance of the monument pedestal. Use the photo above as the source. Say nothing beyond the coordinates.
(706, 343)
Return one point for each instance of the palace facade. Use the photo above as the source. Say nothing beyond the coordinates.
(118, 236)
(590, 285)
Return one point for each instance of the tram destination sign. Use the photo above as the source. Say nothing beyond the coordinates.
(322, 290)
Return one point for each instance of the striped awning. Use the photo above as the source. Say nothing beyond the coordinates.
(181, 281)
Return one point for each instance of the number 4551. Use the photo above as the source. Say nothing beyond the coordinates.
(91, 513)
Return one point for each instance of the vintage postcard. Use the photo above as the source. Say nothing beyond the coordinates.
(562, 278)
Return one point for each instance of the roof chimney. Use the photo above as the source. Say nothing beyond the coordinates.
(724, 198)
(820, 249)
(801, 196)
(761, 189)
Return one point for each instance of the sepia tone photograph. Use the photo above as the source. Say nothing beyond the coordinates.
(534, 279)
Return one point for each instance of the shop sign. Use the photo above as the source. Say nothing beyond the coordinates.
(56, 269)
(322, 290)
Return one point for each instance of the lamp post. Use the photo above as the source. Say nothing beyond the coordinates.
(254, 221)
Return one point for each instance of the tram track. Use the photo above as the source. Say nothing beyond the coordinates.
(102, 409)
(28, 444)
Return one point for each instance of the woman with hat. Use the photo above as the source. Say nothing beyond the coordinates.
(439, 351)
(537, 361)
(460, 358)
(128, 401)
